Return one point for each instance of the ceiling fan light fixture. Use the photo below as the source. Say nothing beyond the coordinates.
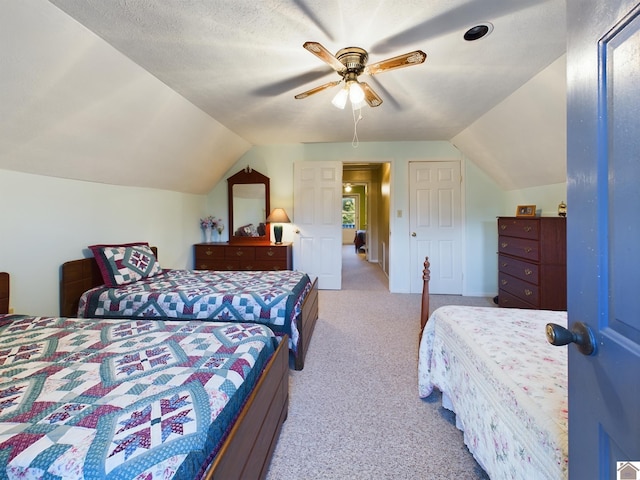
(340, 100)
(356, 94)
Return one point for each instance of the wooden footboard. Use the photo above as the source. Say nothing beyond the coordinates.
(247, 451)
(4, 292)
(424, 312)
(306, 324)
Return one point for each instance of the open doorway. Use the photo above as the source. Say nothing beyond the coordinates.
(365, 215)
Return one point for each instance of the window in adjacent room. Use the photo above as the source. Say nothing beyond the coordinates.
(350, 211)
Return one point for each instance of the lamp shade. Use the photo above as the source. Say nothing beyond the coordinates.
(278, 215)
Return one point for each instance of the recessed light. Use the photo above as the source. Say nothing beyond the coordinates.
(477, 32)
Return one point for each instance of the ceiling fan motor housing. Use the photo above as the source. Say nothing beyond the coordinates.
(353, 58)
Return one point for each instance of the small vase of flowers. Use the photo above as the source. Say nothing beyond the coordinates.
(208, 224)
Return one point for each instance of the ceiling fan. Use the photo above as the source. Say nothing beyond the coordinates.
(350, 63)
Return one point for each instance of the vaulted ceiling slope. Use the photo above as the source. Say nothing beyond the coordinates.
(239, 64)
(242, 61)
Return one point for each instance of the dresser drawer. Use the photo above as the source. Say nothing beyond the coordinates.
(507, 300)
(208, 252)
(268, 254)
(240, 253)
(519, 227)
(521, 269)
(519, 247)
(519, 288)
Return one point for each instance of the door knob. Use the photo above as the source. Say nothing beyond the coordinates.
(580, 334)
(413, 234)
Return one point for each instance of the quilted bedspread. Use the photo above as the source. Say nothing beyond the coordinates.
(272, 298)
(506, 384)
(121, 399)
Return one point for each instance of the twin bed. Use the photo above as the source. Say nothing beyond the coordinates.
(100, 398)
(506, 384)
(144, 399)
(286, 301)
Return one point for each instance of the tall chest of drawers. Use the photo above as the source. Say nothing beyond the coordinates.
(532, 262)
(223, 256)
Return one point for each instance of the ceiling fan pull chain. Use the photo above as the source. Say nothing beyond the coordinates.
(355, 142)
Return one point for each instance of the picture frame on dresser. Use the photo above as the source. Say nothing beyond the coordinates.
(526, 211)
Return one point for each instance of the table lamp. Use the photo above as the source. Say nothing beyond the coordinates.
(278, 216)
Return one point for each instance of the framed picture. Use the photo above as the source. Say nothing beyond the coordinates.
(526, 211)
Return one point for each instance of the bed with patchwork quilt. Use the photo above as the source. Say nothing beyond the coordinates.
(143, 399)
(127, 282)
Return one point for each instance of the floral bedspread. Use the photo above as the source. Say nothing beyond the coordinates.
(271, 298)
(121, 399)
(506, 384)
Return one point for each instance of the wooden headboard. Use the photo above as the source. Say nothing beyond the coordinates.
(4, 292)
(77, 277)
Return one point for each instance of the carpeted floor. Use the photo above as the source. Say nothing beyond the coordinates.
(354, 410)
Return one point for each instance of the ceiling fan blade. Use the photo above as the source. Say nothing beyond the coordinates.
(324, 55)
(317, 89)
(370, 96)
(412, 58)
(288, 84)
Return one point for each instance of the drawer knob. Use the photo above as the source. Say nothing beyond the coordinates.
(528, 249)
(239, 253)
(209, 252)
(504, 264)
(503, 227)
(527, 228)
(504, 244)
(504, 282)
(528, 292)
(270, 253)
(528, 271)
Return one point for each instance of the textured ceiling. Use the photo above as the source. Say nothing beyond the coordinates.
(242, 61)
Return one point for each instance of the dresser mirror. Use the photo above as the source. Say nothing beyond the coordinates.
(249, 207)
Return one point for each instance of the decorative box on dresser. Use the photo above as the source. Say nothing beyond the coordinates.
(532, 262)
(225, 256)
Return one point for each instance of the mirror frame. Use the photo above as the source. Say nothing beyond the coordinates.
(244, 177)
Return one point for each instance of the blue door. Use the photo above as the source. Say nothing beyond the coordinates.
(603, 233)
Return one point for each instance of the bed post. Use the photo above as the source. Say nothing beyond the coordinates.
(424, 312)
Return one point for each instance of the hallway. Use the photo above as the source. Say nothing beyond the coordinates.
(359, 274)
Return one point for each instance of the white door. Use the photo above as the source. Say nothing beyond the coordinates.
(435, 224)
(317, 206)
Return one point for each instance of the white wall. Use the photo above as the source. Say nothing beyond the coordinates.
(46, 221)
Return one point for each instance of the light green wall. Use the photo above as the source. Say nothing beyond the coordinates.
(483, 200)
(46, 221)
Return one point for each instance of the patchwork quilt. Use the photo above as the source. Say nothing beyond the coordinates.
(271, 298)
(121, 399)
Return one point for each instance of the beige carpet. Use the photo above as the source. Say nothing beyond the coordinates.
(354, 410)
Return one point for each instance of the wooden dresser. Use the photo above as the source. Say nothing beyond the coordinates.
(532, 262)
(224, 256)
